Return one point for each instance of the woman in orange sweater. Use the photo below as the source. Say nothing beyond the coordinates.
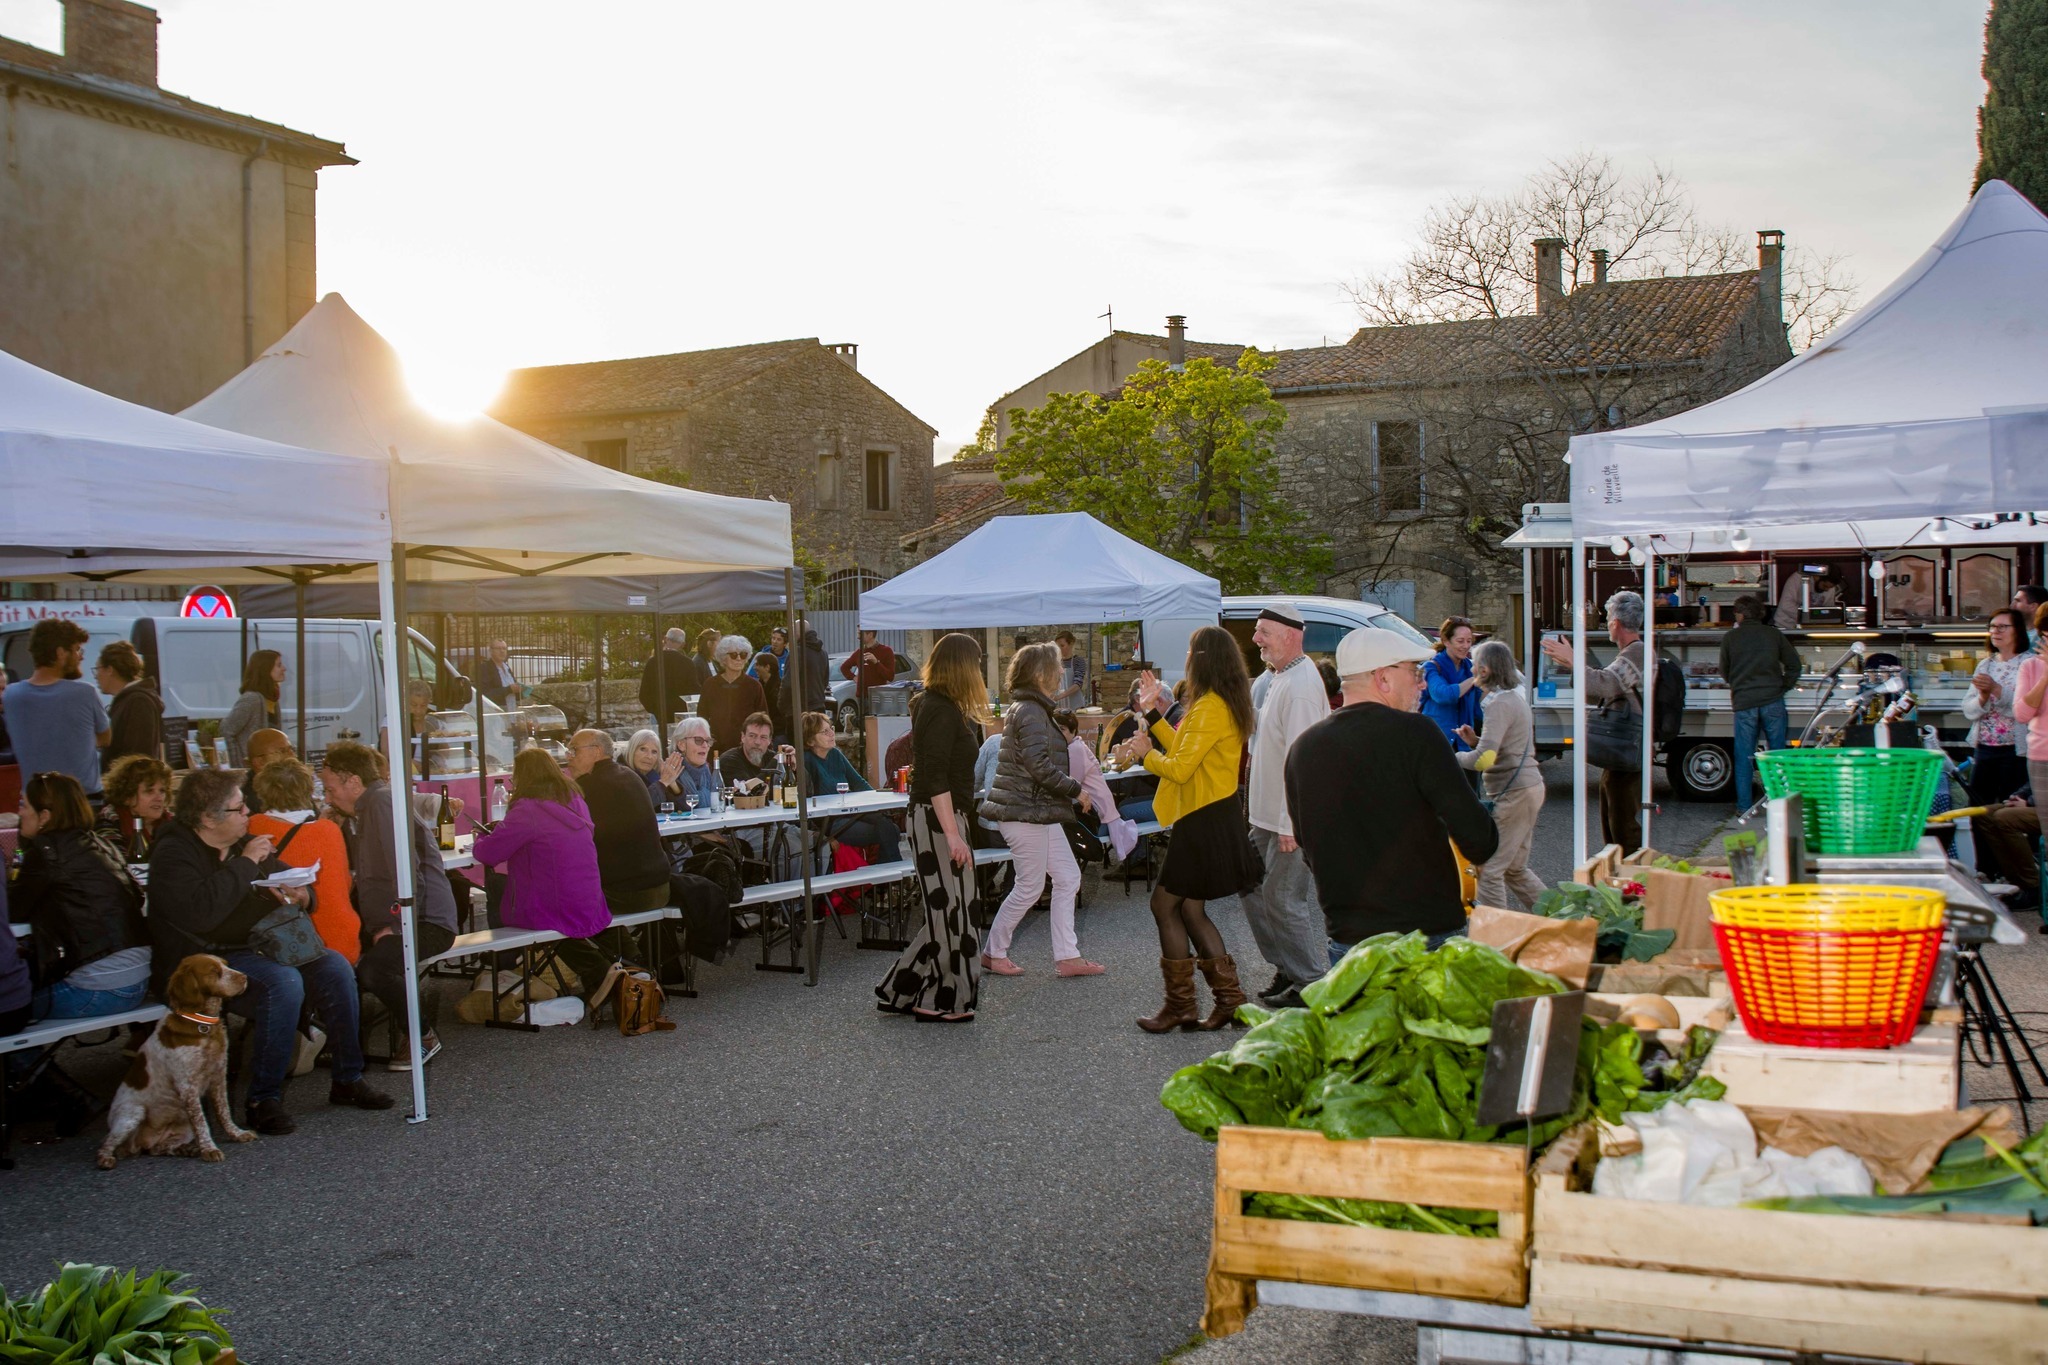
(1210, 855)
(285, 787)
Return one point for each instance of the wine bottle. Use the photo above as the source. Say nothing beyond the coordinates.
(444, 822)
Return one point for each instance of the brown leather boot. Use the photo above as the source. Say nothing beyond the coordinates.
(1179, 1009)
(1222, 976)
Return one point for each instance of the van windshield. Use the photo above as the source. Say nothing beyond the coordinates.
(1387, 620)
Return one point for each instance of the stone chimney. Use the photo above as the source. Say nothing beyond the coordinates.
(1599, 265)
(111, 38)
(1549, 273)
(1176, 341)
(847, 351)
(1770, 275)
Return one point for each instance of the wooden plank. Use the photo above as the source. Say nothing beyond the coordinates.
(1910, 1255)
(1489, 1269)
(1599, 867)
(1915, 1078)
(1459, 1175)
(1800, 1317)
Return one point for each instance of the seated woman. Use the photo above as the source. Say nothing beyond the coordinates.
(643, 756)
(687, 772)
(91, 944)
(138, 790)
(828, 773)
(302, 838)
(547, 845)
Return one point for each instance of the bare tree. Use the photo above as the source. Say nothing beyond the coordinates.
(1472, 258)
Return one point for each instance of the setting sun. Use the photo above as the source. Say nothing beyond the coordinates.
(455, 387)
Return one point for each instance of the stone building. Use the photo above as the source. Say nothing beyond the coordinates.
(790, 420)
(1415, 447)
(150, 246)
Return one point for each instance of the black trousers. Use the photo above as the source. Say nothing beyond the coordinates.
(1621, 809)
(381, 970)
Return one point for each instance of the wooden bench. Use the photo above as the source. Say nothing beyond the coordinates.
(523, 941)
(49, 1035)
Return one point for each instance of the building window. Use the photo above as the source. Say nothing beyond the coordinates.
(881, 472)
(1400, 465)
(828, 482)
(610, 454)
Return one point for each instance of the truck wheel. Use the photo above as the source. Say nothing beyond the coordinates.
(1702, 771)
(848, 720)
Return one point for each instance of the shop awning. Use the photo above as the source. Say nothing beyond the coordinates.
(1548, 525)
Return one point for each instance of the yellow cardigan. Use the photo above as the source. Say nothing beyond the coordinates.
(1196, 764)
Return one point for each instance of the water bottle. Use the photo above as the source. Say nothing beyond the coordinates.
(499, 804)
(716, 803)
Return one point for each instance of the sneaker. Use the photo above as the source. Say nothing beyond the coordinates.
(268, 1118)
(1077, 966)
(1280, 985)
(1001, 966)
(359, 1094)
(430, 1048)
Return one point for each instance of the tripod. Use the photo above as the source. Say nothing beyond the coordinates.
(1988, 1024)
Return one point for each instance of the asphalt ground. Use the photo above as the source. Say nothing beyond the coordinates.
(788, 1176)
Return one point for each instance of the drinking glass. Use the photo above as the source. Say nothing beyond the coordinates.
(843, 789)
(668, 808)
(690, 800)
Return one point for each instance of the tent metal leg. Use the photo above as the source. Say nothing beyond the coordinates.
(803, 821)
(1578, 609)
(391, 602)
(299, 664)
(1649, 804)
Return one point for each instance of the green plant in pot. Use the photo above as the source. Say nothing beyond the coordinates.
(93, 1313)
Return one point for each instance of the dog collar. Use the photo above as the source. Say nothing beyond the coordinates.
(205, 1021)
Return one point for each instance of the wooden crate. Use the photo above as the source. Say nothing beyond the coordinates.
(1917, 1077)
(1890, 1288)
(1461, 1175)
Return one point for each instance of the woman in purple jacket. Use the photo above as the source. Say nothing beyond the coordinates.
(548, 850)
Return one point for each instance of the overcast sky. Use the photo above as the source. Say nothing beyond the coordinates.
(963, 188)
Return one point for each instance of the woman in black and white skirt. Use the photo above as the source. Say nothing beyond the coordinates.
(1210, 855)
(935, 980)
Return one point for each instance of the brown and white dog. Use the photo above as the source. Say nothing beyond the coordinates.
(157, 1110)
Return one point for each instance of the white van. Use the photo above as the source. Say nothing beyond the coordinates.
(196, 665)
(1327, 620)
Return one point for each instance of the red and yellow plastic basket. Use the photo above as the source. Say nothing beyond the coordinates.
(1829, 966)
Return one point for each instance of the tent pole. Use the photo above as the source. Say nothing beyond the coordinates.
(1579, 853)
(299, 665)
(480, 659)
(1529, 622)
(661, 685)
(597, 672)
(1649, 682)
(803, 823)
(389, 604)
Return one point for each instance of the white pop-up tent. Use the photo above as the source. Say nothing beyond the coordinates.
(95, 485)
(1931, 403)
(1060, 567)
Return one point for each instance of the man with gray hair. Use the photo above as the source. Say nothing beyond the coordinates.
(1621, 814)
(1285, 916)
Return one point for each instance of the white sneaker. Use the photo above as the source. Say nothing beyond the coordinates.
(430, 1048)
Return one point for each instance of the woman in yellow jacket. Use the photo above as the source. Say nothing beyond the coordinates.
(1210, 854)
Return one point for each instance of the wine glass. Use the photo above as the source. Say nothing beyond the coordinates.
(690, 800)
(843, 789)
(668, 808)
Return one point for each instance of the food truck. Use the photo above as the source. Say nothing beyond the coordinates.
(1917, 594)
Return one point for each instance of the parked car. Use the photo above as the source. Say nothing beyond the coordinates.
(845, 712)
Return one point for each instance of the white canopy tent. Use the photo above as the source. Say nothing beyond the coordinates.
(1064, 567)
(1930, 403)
(478, 500)
(98, 486)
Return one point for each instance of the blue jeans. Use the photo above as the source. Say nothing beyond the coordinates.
(1138, 812)
(272, 1004)
(1770, 718)
(870, 831)
(62, 1000)
(1435, 941)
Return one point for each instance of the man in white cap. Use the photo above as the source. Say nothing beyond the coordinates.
(1286, 921)
(1377, 799)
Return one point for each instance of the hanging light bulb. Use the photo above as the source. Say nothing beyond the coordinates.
(1877, 571)
(1619, 546)
(1637, 558)
(1739, 541)
(1939, 535)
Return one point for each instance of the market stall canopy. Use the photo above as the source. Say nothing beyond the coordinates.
(663, 594)
(1548, 525)
(95, 485)
(475, 498)
(1065, 568)
(1931, 401)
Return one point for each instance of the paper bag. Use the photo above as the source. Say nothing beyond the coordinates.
(1899, 1149)
(1562, 947)
(1682, 971)
(1675, 900)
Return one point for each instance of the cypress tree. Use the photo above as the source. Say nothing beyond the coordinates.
(2012, 125)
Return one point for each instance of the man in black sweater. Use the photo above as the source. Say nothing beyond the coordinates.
(1760, 666)
(1377, 799)
(630, 860)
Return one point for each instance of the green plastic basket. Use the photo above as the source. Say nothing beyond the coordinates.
(1858, 801)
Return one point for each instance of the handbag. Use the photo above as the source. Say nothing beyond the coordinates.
(286, 935)
(636, 1001)
(1087, 848)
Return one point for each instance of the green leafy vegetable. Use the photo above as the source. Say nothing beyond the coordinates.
(1622, 937)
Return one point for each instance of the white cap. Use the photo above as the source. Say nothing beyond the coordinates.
(1369, 648)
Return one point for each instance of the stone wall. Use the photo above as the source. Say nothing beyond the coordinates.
(764, 438)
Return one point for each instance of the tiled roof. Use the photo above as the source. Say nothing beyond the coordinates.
(1675, 319)
(652, 383)
(1226, 351)
(958, 504)
(973, 464)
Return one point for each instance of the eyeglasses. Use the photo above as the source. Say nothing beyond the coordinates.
(234, 810)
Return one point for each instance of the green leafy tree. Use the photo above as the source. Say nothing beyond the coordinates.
(1181, 461)
(2012, 125)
